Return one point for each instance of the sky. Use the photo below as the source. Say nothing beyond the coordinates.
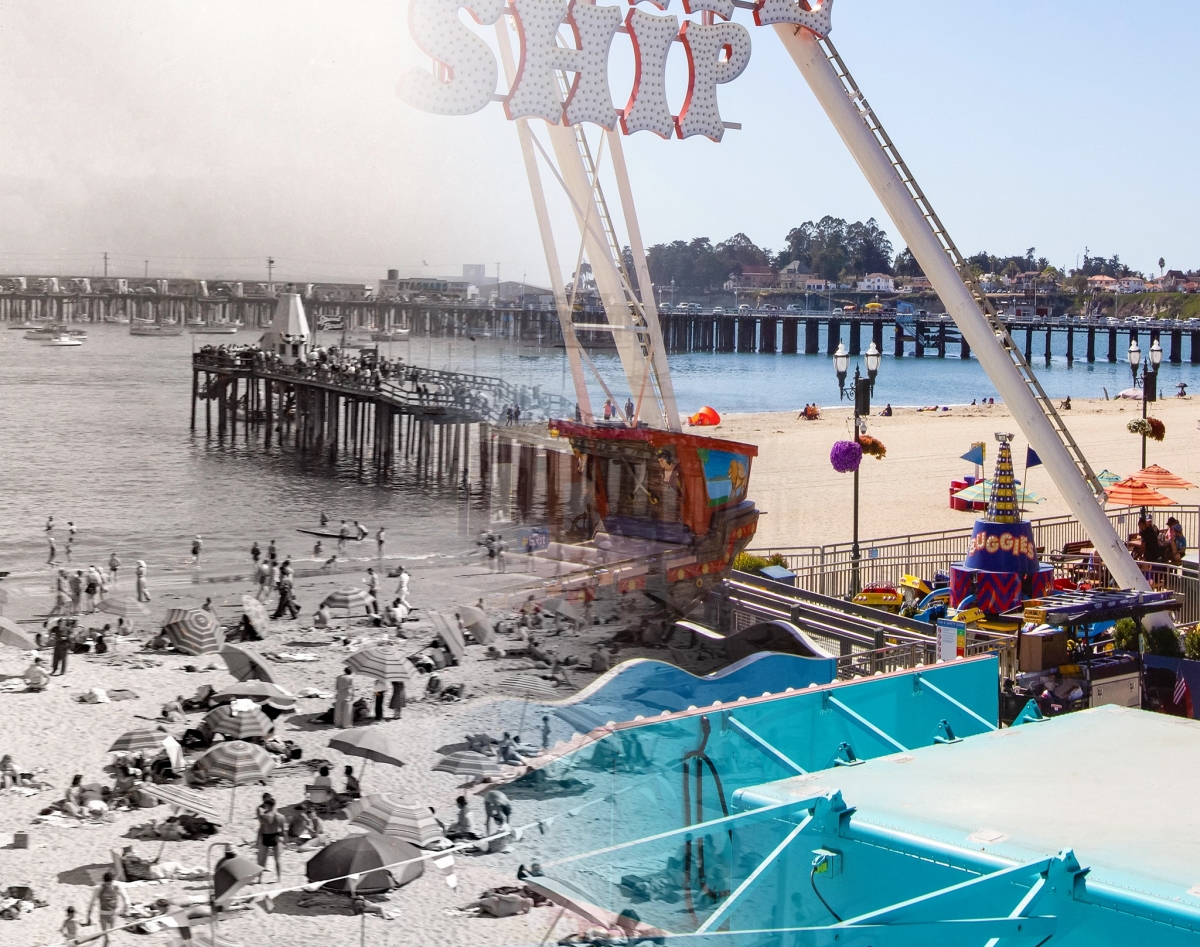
(198, 138)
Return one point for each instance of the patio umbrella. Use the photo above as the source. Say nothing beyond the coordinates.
(475, 620)
(123, 607)
(239, 726)
(349, 599)
(246, 666)
(256, 612)
(138, 741)
(1162, 479)
(366, 856)
(262, 691)
(1132, 492)
(1107, 477)
(469, 764)
(239, 762)
(383, 663)
(14, 637)
(193, 631)
(388, 814)
(371, 744)
(982, 492)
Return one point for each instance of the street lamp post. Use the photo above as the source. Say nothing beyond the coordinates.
(860, 392)
(1149, 379)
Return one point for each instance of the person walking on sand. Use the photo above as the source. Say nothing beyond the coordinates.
(62, 647)
(62, 594)
(113, 565)
(343, 535)
(271, 829)
(402, 588)
(264, 581)
(255, 551)
(361, 531)
(143, 593)
(380, 537)
(373, 591)
(53, 557)
(197, 548)
(287, 603)
(112, 903)
(398, 699)
(76, 592)
(343, 708)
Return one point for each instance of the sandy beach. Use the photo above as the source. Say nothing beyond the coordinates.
(807, 503)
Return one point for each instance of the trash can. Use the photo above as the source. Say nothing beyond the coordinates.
(779, 574)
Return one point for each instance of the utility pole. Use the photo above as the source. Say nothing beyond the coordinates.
(146, 273)
(270, 272)
(106, 264)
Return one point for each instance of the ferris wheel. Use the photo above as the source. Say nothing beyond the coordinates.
(559, 78)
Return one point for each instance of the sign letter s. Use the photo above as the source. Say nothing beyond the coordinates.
(469, 65)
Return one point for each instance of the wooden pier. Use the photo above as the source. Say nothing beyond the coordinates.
(432, 426)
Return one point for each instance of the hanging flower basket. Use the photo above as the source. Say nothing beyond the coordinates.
(1152, 428)
(873, 446)
(846, 456)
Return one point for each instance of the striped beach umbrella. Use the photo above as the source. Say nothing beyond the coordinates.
(530, 686)
(383, 663)
(1162, 479)
(469, 765)
(123, 607)
(138, 741)
(348, 599)
(1132, 492)
(377, 744)
(388, 814)
(252, 724)
(238, 761)
(244, 665)
(193, 631)
(14, 637)
(263, 692)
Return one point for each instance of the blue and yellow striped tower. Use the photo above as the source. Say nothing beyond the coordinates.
(1002, 505)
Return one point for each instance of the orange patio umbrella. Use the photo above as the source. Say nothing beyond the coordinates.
(1162, 479)
(1132, 492)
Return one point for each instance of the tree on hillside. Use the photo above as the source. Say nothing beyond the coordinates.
(906, 264)
(697, 266)
(1162, 264)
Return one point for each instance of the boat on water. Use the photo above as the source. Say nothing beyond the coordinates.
(62, 340)
(214, 328)
(162, 329)
(41, 332)
(394, 335)
(27, 325)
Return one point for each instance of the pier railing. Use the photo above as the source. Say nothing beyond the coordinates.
(830, 569)
(484, 397)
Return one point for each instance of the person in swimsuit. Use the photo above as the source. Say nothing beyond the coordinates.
(271, 829)
(112, 902)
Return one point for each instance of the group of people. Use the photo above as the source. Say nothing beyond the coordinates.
(811, 412)
(1167, 545)
(613, 413)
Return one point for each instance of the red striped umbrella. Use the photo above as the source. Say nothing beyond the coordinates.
(388, 814)
(1132, 492)
(194, 631)
(383, 663)
(239, 726)
(348, 599)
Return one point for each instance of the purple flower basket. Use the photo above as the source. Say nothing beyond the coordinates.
(846, 456)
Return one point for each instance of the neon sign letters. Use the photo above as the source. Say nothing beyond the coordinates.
(717, 51)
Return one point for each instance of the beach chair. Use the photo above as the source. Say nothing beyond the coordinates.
(323, 797)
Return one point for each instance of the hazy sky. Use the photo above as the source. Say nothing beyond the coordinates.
(205, 136)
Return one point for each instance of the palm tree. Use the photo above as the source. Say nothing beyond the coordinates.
(1161, 264)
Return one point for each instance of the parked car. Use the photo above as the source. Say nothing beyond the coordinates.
(718, 310)
(744, 308)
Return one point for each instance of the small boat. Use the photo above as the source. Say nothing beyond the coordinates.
(63, 339)
(214, 328)
(27, 325)
(326, 534)
(395, 335)
(49, 332)
(161, 329)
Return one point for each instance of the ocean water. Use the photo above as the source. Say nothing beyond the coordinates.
(99, 435)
